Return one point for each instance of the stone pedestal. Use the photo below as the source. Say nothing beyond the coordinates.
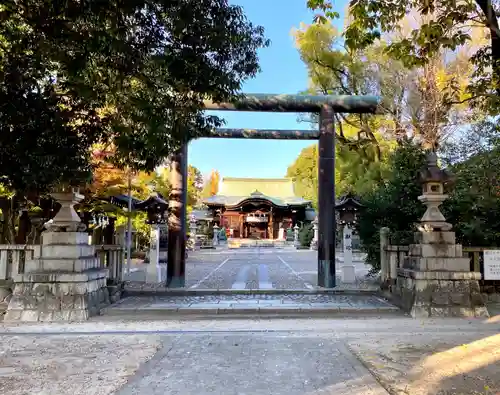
(436, 280)
(66, 283)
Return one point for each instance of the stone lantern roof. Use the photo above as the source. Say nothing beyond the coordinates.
(432, 173)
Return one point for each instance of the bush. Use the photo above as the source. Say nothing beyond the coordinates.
(306, 234)
(394, 203)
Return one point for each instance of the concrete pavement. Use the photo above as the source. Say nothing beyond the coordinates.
(264, 356)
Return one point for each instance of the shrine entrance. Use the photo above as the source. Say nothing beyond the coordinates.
(326, 107)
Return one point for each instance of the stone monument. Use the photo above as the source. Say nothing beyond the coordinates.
(436, 279)
(66, 282)
(347, 269)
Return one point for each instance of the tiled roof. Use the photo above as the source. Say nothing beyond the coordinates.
(232, 201)
(275, 187)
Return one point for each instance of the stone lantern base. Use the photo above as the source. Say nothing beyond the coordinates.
(436, 280)
(66, 283)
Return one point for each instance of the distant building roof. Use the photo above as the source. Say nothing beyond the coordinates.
(275, 187)
(235, 191)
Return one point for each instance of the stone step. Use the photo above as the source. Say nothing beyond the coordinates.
(338, 306)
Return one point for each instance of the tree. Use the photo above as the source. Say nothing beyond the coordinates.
(394, 203)
(131, 74)
(473, 206)
(447, 26)
(420, 102)
(195, 184)
(211, 187)
(304, 173)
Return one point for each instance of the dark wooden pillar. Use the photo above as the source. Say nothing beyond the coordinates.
(176, 255)
(326, 199)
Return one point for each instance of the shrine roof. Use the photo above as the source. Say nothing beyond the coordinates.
(276, 187)
(234, 201)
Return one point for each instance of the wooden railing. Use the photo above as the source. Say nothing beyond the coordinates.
(14, 256)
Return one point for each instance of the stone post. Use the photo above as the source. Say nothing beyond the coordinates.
(216, 235)
(192, 232)
(153, 270)
(326, 199)
(435, 279)
(66, 282)
(296, 241)
(314, 242)
(348, 273)
(384, 259)
(281, 233)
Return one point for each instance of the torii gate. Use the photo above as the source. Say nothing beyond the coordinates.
(325, 106)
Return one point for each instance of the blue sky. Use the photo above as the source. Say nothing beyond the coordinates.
(282, 72)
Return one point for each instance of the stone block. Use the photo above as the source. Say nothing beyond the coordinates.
(425, 285)
(78, 315)
(456, 311)
(29, 315)
(47, 265)
(67, 251)
(419, 312)
(476, 299)
(443, 264)
(481, 312)
(62, 238)
(460, 299)
(433, 250)
(348, 274)
(435, 238)
(441, 298)
(439, 311)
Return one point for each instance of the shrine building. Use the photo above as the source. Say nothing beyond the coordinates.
(262, 208)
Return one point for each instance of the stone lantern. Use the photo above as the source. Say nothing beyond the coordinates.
(433, 180)
(314, 242)
(347, 207)
(192, 231)
(296, 242)
(435, 278)
(216, 235)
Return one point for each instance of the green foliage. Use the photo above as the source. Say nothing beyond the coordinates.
(304, 172)
(445, 25)
(131, 74)
(394, 204)
(306, 234)
(473, 206)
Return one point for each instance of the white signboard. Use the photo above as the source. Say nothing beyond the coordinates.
(492, 265)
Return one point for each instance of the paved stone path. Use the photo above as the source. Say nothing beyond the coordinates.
(253, 364)
(283, 304)
(264, 356)
(253, 268)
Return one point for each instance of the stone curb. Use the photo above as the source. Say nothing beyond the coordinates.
(292, 311)
(202, 292)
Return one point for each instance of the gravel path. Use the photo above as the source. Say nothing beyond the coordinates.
(90, 365)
